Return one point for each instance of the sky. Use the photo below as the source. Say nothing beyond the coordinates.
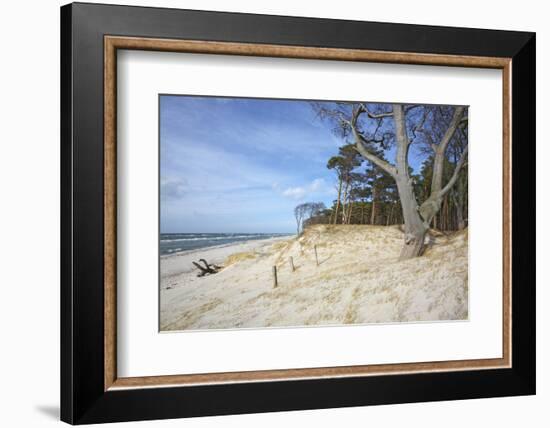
(241, 165)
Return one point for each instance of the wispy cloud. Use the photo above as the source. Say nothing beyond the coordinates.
(172, 188)
(320, 185)
(296, 193)
(316, 188)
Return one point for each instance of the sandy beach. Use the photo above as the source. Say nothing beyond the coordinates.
(358, 280)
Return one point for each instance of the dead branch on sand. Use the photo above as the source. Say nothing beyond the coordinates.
(208, 269)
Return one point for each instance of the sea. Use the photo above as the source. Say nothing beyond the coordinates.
(171, 243)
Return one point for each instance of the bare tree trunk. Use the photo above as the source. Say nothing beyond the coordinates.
(432, 205)
(338, 200)
(344, 203)
(350, 212)
(415, 229)
(299, 216)
(388, 222)
(445, 214)
(461, 224)
(373, 206)
(363, 213)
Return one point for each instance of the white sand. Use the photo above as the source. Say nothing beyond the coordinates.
(359, 280)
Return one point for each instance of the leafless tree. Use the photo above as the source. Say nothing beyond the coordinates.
(377, 126)
(305, 211)
(299, 214)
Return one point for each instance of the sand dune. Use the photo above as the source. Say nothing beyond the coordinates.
(358, 280)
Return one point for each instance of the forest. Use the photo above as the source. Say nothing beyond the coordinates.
(375, 181)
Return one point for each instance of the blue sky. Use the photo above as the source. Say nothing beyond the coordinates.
(241, 165)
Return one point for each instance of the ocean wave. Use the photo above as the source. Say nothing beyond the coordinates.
(216, 238)
(188, 243)
(174, 250)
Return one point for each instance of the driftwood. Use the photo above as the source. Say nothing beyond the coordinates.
(208, 269)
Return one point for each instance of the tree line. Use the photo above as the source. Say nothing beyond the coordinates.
(374, 190)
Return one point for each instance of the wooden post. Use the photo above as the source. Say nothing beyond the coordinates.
(275, 277)
(316, 258)
(291, 261)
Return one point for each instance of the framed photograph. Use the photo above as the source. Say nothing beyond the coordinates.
(266, 213)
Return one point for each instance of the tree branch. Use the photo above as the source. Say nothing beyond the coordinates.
(386, 166)
(411, 107)
(361, 142)
(456, 172)
(439, 155)
(364, 108)
(403, 142)
(429, 139)
(455, 121)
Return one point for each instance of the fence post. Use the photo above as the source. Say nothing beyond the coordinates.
(291, 261)
(316, 258)
(275, 277)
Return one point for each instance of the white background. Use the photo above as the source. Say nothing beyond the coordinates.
(142, 351)
(29, 219)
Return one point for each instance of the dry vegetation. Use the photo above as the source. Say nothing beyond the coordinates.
(358, 280)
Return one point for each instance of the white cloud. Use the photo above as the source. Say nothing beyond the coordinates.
(296, 193)
(318, 187)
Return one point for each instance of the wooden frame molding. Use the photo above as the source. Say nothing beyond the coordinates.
(113, 43)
